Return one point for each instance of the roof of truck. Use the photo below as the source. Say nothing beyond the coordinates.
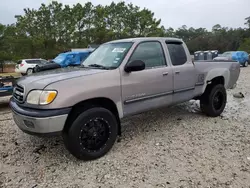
(146, 39)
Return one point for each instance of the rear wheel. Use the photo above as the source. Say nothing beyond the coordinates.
(246, 64)
(29, 71)
(92, 134)
(214, 100)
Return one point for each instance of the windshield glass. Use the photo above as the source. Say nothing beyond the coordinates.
(108, 55)
(59, 58)
(226, 54)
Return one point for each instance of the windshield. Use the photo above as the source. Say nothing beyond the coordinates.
(59, 58)
(226, 54)
(108, 55)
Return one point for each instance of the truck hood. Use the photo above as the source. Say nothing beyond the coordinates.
(42, 79)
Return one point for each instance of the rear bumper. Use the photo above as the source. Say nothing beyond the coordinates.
(39, 122)
(19, 71)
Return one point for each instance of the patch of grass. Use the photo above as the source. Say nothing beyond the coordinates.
(14, 74)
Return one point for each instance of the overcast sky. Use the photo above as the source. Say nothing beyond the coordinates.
(173, 13)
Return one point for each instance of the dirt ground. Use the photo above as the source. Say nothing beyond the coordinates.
(170, 147)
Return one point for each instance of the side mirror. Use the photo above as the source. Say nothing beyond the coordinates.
(136, 65)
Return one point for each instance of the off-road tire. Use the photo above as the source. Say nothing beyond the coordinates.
(91, 120)
(214, 100)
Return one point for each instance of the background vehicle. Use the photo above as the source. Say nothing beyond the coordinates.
(119, 79)
(6, 85)
(26, 66)
(66, 59)
(241, 56)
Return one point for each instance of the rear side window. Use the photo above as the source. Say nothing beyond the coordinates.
(177, 53)
(30, 61)
(33, 61)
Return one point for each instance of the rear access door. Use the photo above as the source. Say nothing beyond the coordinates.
(183, 70)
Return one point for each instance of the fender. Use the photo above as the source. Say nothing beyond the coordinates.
(213, 73)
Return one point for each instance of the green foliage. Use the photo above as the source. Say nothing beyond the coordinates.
(220, 38)
(55, 28)
(247, 21)
(245, 46)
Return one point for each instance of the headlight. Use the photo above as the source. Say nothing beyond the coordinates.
(41, 97)
(34, 96)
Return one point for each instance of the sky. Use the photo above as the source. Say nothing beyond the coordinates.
(173, 13)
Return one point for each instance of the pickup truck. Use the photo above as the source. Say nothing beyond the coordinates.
(120, 78)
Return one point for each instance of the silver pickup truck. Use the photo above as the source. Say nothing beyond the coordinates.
(119, 79)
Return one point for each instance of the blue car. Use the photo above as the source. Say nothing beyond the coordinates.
(71, 58)
(65, 60)
(241, 56)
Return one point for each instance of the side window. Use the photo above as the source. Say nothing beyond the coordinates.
(37, 62)
(30, 61)
(150, 53)
(177, 53)
(33, 61)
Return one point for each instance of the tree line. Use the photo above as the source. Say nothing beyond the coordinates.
(55, 28)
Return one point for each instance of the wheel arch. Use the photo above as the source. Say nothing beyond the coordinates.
(217, 76)
(94, 102)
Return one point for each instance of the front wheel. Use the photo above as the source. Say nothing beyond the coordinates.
(92, 134)
(214, 100)
(246, 64)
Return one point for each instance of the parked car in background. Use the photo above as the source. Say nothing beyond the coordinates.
(225, 56)
(72, 58)
(25, 66)
(66, 59)
(241, 56)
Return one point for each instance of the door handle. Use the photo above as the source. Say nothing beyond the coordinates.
(165, 73)
(177, 72)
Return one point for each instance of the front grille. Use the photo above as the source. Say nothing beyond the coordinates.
(18, 93)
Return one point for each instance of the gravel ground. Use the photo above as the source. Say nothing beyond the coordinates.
(170, 147)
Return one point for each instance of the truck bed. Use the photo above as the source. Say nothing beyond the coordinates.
(230, 70)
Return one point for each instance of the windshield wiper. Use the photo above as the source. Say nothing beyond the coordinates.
(98, 66)
(82, 66)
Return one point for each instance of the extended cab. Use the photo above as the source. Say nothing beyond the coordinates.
(119, 79)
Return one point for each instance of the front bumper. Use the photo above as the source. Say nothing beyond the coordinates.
(39, 122)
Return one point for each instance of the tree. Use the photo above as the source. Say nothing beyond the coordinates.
(245, 46)
(54, 28)
(247, 21)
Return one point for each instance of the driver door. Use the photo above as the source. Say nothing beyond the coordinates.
(151, 87)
